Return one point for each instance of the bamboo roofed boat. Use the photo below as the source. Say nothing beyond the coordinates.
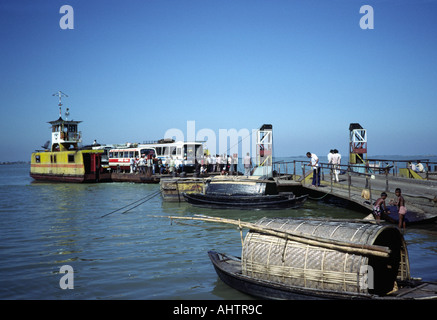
(290, 258)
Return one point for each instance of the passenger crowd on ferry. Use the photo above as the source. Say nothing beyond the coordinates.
(150, 164)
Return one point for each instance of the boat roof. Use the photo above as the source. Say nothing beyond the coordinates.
(62, 121)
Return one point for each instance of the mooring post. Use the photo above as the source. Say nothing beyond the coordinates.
(386, 180)
(331, 180)
(370, 191)
(294, 169)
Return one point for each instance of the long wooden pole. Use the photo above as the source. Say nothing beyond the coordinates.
(345, 246)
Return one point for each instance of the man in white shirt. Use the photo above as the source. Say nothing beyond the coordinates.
(213, 163)
(231, 164)
(314, 163)
(219, 163)
(336, 160)
(330, 162)
(330, 154)
(247, 161)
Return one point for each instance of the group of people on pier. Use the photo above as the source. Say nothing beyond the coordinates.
(147, 165)
(224, 164)
(334, 160)
(379, 208)
(150, 165)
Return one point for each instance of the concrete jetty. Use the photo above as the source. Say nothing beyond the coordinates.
(420, 195)
(354, 190)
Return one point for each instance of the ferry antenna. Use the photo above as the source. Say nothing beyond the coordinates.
(60, 94)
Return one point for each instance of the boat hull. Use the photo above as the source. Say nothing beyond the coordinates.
(245, 202)
(229, 271)
(57, 178)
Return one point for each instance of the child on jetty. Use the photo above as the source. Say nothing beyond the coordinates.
(380, 207)
(402, 210)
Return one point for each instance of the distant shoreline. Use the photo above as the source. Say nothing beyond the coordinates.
(13, 162)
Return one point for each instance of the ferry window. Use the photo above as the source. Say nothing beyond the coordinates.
(179, 151)
(173, 150)
(126, 154)
(199, 151)
(159, 151)
(136, 154)
(146, 152)
(189, 151)
(37, 158)
(131, 154)
(71, 158)
(111, 154)
(166, 150)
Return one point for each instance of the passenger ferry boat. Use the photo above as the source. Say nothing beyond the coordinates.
(64, 160)
(187, 153)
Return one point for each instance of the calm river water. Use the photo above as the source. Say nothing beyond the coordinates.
(132, 255)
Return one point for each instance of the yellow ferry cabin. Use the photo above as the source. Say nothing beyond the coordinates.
(65, 160)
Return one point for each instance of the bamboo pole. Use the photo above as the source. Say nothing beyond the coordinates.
(345, 246)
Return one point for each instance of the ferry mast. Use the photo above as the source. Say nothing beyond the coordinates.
(65, 134)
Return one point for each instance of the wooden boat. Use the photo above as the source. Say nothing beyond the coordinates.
(229, 271)
(240, 185)
(286, 258)
(243, 193)
(236, 201)
(295, 258)
(411, 217)
(172, 188)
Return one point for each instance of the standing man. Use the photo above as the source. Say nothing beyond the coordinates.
(219, 163)
(247, 161)
(132, 164)
(314, 163)
(336, 160)
(331, 162)
(213, 163)
(231, 164)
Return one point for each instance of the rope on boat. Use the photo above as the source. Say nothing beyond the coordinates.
(320, 197)
(344, 246)
(143, 200)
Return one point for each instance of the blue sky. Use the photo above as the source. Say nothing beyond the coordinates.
(134, 69)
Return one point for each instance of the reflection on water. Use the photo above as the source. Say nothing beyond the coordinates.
(133, 255)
